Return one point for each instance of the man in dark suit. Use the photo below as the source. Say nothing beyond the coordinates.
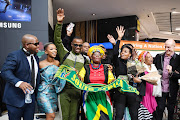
(169, 66)
(21, 73)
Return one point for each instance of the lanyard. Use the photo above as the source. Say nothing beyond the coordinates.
(75, 61)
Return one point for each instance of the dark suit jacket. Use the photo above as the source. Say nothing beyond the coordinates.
(16, 68)
(173, 79)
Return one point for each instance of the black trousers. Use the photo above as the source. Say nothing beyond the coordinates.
(161, 101)
(123, 100)
(27, 112)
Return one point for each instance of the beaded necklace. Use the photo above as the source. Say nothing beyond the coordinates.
(94, 67)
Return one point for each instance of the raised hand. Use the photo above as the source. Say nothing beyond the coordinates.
(111, 39)
(60, 15)
(120, 31)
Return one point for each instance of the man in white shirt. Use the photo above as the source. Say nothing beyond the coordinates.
(21, 73)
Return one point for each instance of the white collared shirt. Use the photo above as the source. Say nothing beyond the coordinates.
(35, 68)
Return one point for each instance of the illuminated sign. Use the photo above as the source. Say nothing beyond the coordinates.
(10, 25)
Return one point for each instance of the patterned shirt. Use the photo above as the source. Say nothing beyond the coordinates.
(165, 76)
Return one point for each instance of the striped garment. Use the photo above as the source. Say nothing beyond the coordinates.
(143, 113)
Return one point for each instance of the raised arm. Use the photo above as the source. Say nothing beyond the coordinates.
(67, 39)
(120, 31)
(57, 34)
(111, 39)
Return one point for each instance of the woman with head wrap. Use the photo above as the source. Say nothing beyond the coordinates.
(96, 104)
(148, 100)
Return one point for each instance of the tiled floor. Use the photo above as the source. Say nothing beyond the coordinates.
(42, 117)
(36, 117)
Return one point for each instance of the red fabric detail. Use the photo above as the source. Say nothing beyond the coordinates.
(97, 75)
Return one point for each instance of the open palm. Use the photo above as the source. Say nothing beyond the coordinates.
(111, 39)
(120, 31)
(60, 15)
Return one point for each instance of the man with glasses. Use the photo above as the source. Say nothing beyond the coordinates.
(21, 73)
(69, 96)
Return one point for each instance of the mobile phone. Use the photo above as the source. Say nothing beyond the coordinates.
(70, 27)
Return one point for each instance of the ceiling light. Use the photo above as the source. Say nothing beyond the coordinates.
(93, 14)
(178, 28)
(174, 11)
(164, 32)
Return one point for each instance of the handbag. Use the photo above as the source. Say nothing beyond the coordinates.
(157, 90)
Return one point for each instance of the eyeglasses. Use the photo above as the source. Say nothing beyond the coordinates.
(75, 45)
(36, 44)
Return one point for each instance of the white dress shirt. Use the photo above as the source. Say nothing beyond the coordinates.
(35, 68)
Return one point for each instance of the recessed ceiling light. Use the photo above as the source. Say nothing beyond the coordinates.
(178, 28)
(164, 32)
(93, 14)
(174, 12)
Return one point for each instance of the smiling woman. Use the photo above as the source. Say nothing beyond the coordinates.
(96, 74)
(47, 97)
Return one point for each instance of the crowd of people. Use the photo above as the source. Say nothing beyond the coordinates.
(29, 81)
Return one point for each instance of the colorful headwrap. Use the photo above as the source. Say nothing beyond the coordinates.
(142, 56)
(95, 49)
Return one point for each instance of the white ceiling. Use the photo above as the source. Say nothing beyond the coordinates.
(82, 10)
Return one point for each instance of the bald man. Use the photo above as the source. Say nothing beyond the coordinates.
(21, 73)
(169, 66)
